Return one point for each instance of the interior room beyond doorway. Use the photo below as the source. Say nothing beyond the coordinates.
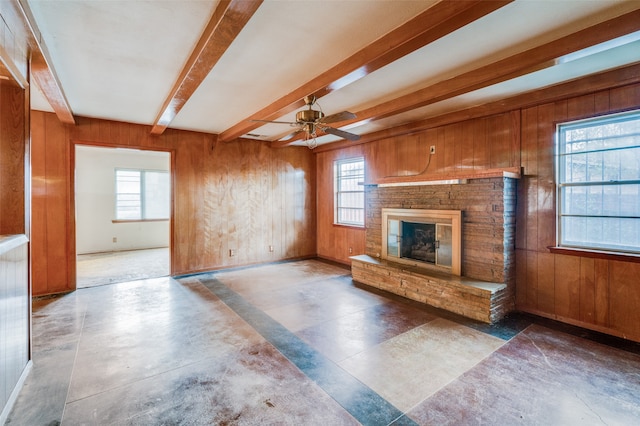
(122, 214)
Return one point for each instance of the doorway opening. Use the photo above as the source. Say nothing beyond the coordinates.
(123, 205)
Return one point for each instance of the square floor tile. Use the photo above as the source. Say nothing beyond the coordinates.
(413, 366)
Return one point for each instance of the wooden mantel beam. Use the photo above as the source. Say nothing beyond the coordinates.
(227, 21)
(434, 23)
(42, 70)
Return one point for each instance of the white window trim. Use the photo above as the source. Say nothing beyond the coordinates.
(560, 184)
(336, 192)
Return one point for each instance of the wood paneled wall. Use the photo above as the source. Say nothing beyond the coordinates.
(474, 145)
(335, 241)
(241, 196)
(12, 159)
(593, 292)
(15, 295)
(597, 293)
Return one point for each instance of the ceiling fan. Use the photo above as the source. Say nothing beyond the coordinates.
(310, 120)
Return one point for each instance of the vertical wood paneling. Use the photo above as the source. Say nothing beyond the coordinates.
(12, 160)
(567, 286)
(531, 274)
(623, 98)
(56, 205)
(545, 191)
(219, 198)
(464, 144)
(436, 137)
(481, 135)
(334, 240)
(527, 236)
(546, 282)
(625, 298)
(601, 289)
(39, 246)
(593, 292)
(587, 289)
(521, 278)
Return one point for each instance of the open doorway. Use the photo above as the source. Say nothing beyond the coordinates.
(123, 204)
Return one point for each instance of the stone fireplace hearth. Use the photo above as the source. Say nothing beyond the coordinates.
(484, 288)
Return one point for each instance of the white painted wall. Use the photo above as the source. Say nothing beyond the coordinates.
(95, 201)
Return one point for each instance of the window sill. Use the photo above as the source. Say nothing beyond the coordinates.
(596, 254)
(137, 220)
(342, 225)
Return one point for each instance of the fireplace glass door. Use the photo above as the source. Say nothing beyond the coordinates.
(424, 242)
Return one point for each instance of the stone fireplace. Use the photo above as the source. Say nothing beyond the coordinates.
(429, 239)
(479, 281)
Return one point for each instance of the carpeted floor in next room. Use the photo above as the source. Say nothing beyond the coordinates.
(95, 269)
(301, 343)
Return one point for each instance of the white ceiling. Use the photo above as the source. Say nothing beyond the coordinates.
(118, 60)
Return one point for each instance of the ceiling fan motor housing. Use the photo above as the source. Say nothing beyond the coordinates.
(308, 116)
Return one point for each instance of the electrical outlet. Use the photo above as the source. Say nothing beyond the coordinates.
(271, 248)
(432, 149)
(232, 252)
(115, 239)
(350, 250)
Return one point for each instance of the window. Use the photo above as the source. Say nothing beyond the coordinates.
(142, 194)
(599, 183)
(349, 191)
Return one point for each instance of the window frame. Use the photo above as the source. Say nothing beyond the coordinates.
(142, 187)
(584, 248)
(337, 177)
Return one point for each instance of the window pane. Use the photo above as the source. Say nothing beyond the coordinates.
(349, 191)
(351, 216)
(598, 187)
(601, 233)
(156, 195)
(128, 202)
(351, 199)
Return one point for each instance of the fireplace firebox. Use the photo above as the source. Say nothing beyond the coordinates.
(429, 239)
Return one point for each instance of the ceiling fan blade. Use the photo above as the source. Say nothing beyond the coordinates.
(341, 133)
(340, 116)
(291, 123)
(291, 135)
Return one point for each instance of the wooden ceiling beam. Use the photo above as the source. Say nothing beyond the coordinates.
(618, 77)
(42, 70)
(436, 22)
(227, 21)
(514, 66)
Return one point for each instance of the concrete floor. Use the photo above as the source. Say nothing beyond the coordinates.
(300, 344)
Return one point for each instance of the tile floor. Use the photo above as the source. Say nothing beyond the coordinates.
(299, 343)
